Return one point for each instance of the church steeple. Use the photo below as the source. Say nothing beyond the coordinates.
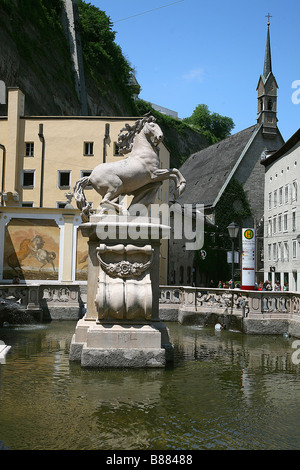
(267, 93)
(268, 62)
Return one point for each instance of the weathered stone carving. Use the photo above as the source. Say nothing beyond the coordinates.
(14, 294)
(124, 268)
(124, 286)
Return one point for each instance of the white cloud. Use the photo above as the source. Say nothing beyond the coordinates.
(194, 75)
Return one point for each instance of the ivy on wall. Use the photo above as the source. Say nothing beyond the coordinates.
(233, 206)
(214, 266)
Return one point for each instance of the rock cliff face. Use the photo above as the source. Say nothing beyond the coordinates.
(37, 66)
(35, 56)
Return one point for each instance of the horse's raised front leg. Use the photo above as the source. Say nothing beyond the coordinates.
(173, 174)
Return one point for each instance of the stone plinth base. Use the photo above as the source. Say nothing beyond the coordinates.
(118, 346)
(122, 358)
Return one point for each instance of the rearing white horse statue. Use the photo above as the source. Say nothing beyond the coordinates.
(139, 174)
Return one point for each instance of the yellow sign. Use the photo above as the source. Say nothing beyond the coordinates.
(248, 234)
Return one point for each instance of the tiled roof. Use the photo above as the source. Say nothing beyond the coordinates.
(206, 171)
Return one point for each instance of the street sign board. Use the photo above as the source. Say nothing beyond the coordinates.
(248, 259)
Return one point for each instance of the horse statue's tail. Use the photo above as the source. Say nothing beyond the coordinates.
(80, 198)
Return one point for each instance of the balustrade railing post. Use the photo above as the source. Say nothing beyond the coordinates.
(33, 302)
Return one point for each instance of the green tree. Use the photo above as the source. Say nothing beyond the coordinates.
(213, 126)
(98, 43)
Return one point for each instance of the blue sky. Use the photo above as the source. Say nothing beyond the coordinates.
(190, 52)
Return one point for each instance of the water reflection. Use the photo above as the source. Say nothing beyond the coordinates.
(225, 391)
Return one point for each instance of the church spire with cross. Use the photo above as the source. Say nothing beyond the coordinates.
(267, 92)
(268, 62)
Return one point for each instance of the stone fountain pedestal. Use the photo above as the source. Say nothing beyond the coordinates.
(121, 327)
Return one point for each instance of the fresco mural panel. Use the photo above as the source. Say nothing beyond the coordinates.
(31, 249)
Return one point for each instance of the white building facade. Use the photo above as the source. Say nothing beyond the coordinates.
(282, 215)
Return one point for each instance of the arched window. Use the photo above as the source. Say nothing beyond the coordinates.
(261, 104)
(270, 105)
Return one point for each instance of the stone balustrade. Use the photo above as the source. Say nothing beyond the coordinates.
(14, 293)
(199, 305)
(44, 301)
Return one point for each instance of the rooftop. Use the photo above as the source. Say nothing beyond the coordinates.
(206, 171)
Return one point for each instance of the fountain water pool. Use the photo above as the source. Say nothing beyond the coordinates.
(225, 390)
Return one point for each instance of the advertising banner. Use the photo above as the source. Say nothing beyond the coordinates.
(248, 259)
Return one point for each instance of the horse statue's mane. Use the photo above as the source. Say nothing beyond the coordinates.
(127, 134)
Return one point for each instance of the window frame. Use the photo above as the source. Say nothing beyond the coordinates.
(275, 252)
(275, 198)
(270, 227)
(294, 190)
(294, 220)
(279, 223)
(285, 222)
(30, 186)
(280, 196)
(286, 250)
(86, 145)
(286, 194)
(31, 151)
(294, 249)
(274, 224)
(59, 173)
(279, 251)
(269, 252)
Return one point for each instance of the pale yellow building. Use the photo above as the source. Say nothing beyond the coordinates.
(42, 158)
